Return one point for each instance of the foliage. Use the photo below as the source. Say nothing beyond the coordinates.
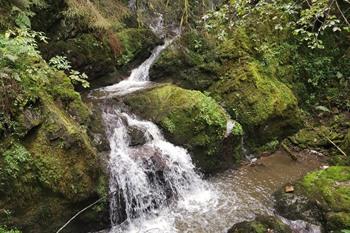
(14, 159)
(7, 230)
(61, 63)
(308, 21)
(97, 14)
(18, 44)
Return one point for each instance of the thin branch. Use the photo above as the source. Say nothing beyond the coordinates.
(335, 145)
(341, 12)
(80, 212)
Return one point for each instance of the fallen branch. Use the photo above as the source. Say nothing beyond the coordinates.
(77, 214)
(289, 152)
(335, 145)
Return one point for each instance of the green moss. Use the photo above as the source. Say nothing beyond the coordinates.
(269, 147)
(48, 166)
(189, 62)
(189, 118)
(258, 228)
(314, 137)
(62, 91)
(264, 105)
(339, 220)
(86, 52)
(331, 190)
(135, 42)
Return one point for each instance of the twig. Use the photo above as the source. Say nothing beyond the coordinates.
(77, 214)
(341, 12)
(289, 152)
(335, 145)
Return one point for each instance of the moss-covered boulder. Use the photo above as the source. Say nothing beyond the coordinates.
(86, 53)
(321, 197)
(314, 137)
(266, 107)
(49, 168)
(188, 62)
(261, 224)
(136, 45)
(191, 119)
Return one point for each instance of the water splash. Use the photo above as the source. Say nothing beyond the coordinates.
(148, 178)
(138, 79)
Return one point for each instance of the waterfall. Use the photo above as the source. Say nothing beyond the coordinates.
(149, 176)
(139, 77)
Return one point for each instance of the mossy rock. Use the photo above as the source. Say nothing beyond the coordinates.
(314, 137)
(191, 119)
(49, 169)
(136, 44)
(53, 173)
(261, 224)
(325, 195)
(347, 143)
(86, 53)
(266, 107)
(189, 62)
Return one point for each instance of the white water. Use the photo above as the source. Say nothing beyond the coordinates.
(149, 181)
(150, 177)
(159, 190)
(138, 79)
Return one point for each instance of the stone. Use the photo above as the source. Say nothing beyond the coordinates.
(137, 136)
(193, 120)
(319, 194)
(289, 188)
(261, 224)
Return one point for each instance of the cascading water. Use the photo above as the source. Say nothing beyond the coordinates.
(139, 77)
(153, 184)
(147, 178)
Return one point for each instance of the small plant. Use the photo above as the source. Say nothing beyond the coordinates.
(61, 63)
(4, 229)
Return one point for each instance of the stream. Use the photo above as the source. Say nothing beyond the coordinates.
(155, 187)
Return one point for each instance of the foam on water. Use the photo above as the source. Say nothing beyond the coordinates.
(149, 181)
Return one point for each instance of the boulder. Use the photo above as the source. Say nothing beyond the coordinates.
(49, 169)
(193, 120)
(137, 136)
(266, 107)
(261, 224)
(232, 73)
(321, 197)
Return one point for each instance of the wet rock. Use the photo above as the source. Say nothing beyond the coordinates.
(266, 107)
(193, 120)
(154, 165)
(261, 224)
(30, 118)
(321, 197)
(137, 136)
(295, 206)
(315, 137)
(49, 169)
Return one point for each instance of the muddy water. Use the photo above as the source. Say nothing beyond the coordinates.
(246, 192)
